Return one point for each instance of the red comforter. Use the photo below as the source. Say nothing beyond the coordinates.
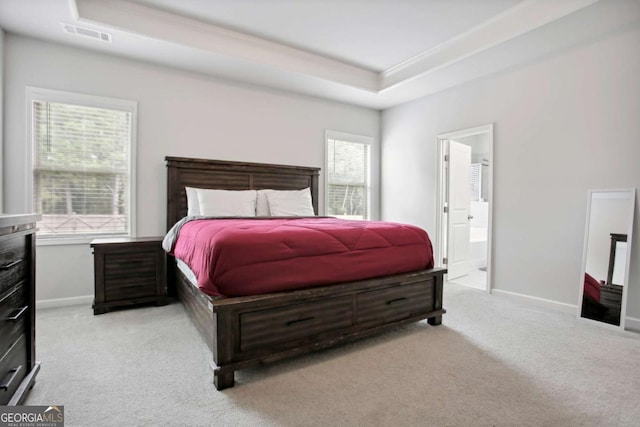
(236, 257)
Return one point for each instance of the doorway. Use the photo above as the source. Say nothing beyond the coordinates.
(464, 203)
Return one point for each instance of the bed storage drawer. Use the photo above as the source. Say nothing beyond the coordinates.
(292, 324)
(390, 304)
(13, 368)
(13, 262)
(14, 310)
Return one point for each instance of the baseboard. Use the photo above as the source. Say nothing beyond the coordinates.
(64, 302)
(632, 324)
(559, 306)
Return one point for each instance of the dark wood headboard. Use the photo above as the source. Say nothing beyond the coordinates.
(225, 175)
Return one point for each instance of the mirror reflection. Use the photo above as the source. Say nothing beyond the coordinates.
(608, 234)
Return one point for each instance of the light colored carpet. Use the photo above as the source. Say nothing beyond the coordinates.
(493, 362)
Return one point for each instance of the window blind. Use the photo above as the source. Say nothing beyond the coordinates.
(348, 176)
(81, 179)
(476, 182)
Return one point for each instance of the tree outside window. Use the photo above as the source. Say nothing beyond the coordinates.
(81, 168)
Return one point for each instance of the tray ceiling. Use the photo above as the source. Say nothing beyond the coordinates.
(372, 53)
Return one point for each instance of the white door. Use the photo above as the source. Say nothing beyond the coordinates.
(458, 208)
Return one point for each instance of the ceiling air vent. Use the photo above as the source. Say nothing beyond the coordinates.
(87, 32)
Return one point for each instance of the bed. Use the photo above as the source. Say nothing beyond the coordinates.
(246, 330)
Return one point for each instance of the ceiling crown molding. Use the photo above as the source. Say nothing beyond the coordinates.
(513, 22)
(150, 34)
(158, 24)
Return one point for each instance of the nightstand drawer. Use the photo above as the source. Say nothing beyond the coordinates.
(386, 305)
(129, 287)
(13, 368)
(13, 262)
(14, 310)
(117, 266)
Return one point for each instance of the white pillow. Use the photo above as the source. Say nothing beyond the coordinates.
(193, 204)
(262, 204)
(290, 203)
(227, 202)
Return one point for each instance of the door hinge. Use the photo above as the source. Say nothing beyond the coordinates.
(446, 209)
(446, 157)
(444, 260)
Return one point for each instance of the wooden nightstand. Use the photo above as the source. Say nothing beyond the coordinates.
(128, 271)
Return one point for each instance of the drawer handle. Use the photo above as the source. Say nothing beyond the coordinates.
(12, 375)
(10, 265)
(297, 322)
(18, 315)
(395, 301)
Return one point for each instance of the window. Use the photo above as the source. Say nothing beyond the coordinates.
(81, 163)
(348, 176)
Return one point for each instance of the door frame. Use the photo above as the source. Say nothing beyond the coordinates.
(441, 182)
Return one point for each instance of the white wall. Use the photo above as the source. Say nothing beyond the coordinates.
(563, 124)
(179, 114)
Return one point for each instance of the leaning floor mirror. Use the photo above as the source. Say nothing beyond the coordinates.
(607, 253)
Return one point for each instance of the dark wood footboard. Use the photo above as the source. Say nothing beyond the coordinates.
(244, 331)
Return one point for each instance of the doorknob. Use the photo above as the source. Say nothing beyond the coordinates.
(470, 217)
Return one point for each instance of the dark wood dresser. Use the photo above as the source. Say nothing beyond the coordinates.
(128, 271)
(18, 367)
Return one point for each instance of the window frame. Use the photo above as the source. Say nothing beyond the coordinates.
(94, 101)
(357, 139)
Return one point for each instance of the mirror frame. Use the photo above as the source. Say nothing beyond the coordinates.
(629, 228)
